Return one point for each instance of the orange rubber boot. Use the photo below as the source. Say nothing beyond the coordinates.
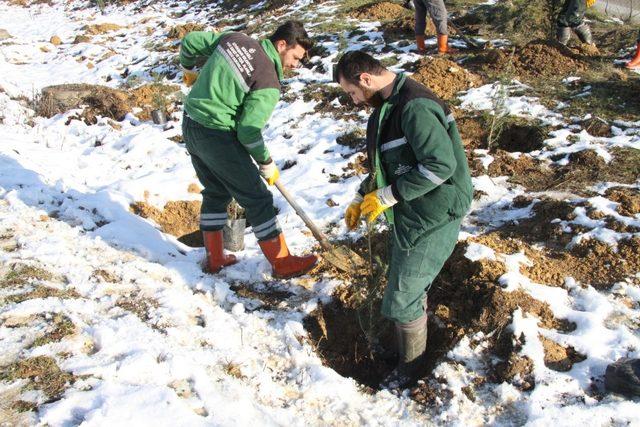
(285, 265)
(635, 61)
(420, 43)
(214, 245)
(443, 44)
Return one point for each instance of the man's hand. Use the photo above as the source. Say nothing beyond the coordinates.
(189, 76)
(352, 214)
(377, 202)
(270, 172)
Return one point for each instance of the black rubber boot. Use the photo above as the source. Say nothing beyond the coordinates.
(412, 345)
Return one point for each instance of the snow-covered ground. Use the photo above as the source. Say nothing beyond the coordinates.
(204, 355)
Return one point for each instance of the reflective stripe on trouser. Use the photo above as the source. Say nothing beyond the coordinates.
(572, 13)
(436, 10)
(226, 171)
(411, 272)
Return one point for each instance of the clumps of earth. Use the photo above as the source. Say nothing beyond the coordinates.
(101, 101)
(382, 11)
(584, 168)
(444, 77)
(539, 58)
(178, 218)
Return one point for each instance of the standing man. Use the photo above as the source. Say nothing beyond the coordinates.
(571, 17)
(232, 99)
(635, 61)
(420, 180)
(438, 13)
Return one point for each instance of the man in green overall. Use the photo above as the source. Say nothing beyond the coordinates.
(420, 180)
(232, 98)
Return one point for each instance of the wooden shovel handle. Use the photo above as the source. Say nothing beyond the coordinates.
(320, 237)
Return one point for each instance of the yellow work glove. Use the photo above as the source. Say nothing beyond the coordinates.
(189, 77)
(377, 202)
(352, 214)
(591, 3)
(270, 172)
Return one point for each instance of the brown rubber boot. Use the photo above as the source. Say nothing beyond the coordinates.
(285, 265)
(635, 61)
(443, 45)
(214, 245)
(420, 43)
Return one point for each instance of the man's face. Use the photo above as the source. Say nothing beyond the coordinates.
(360, 94)
(290, 56)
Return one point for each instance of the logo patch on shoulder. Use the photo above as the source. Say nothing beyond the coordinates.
(402, 169)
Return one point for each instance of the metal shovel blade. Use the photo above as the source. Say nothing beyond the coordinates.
(341, 257)
(344, 259)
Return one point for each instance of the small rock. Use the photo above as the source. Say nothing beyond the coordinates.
(4, 34)
(623, 376)
(55, 40)
(81, 39)
(597, 127)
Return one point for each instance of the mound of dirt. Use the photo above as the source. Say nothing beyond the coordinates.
(539, 228)
(99, 100)
(559, 358)
(403, 28)
(104, 101)
(591, 261)
(444, 77)
(597, 127)
(178, 218)
(330, 100)
(543, 58)
(95, 29)
(355, 139)
(382, 11)
(525, 170)
(153, 96)
(473, 132)
(584, 169)
(629, 199)
(537, 59)
(179, 31)
(512, 365)
(4, 34)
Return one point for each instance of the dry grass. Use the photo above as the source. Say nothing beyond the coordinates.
(233, 370)
(62, 327)
(138, 305)
(22, 274)
(11, 408)
(42, 373)
(42, 292)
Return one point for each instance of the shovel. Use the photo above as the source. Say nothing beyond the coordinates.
(341, 257)
(472, 43)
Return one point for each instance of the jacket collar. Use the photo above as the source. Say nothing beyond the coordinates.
(272, 53)
(397, 85)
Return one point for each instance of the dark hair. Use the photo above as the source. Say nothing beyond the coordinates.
(354, 63)
(293, 33)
